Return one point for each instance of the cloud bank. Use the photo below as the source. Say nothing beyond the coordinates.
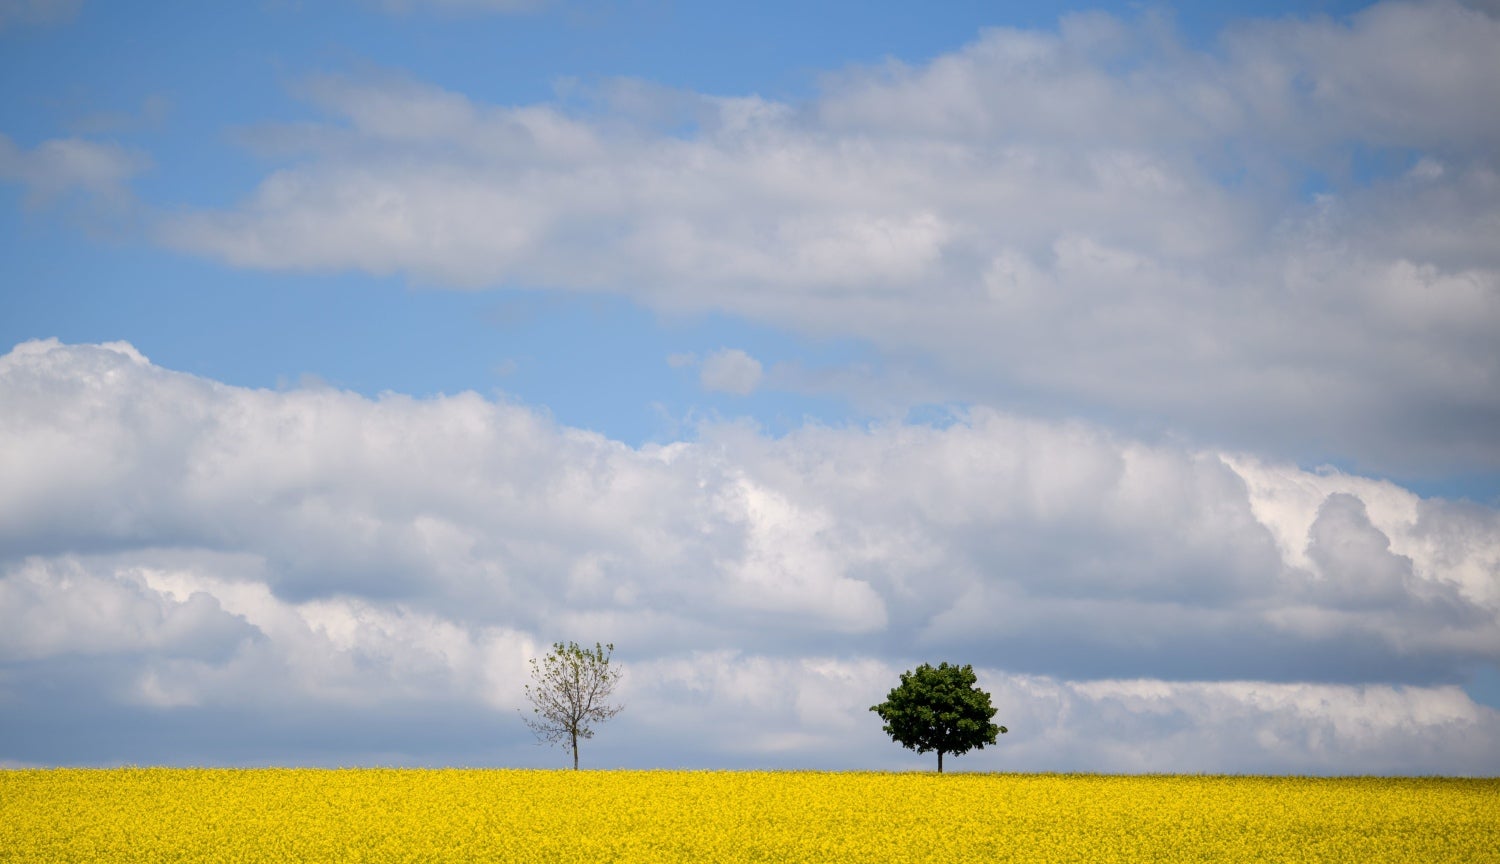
(196, 572)
(1282, 243)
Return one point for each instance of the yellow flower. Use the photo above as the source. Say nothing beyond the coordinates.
(380, 815)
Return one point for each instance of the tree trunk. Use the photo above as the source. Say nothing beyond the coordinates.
(940, 761)
(575, 751)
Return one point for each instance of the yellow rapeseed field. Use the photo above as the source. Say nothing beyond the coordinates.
(221, 815)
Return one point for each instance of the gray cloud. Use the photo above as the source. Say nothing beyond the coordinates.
(731, 371)
(52, 607)
(14, 12)
(221, 555)
(508, 7)
(61, 167)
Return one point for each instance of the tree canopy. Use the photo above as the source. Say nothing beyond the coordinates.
(570, 690)
(939, 709)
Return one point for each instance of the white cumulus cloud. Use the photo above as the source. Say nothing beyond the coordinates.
(1088, 218)
(266, 567)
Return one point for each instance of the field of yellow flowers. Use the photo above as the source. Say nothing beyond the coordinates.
(193, 815)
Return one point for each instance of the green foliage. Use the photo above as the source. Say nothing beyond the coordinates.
(939, 709)
(570, 690)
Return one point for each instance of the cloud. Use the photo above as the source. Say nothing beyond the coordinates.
(60, 168)
(730, 371)
(276, 564)
(770, 711)
(55, 607)
(14, 12)
(464, 6)
(152, 115)
(1246, 727)
(1091, 220)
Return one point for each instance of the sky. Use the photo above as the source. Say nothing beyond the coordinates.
(1143, 358)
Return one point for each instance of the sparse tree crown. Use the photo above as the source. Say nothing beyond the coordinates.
(939, 709)
(570, 690)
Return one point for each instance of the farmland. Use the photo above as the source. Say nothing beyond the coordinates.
(379, 815)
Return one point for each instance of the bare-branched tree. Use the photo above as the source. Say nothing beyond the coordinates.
(570, 690)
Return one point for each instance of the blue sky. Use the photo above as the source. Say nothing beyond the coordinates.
(778, 343)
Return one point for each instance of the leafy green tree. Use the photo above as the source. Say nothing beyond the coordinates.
(570, 690)
(939, 709)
